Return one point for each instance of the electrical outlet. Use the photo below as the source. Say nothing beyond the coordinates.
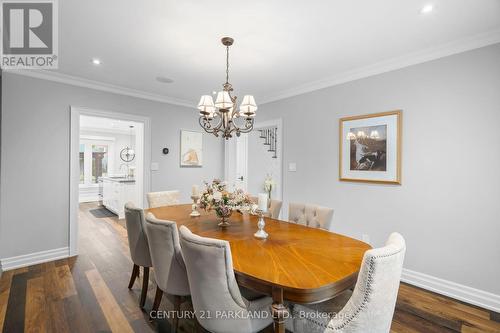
(366, 238)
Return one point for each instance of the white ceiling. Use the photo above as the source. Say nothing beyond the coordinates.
(281, 47)
(107, 125)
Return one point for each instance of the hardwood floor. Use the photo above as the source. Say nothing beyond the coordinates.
(89, 293)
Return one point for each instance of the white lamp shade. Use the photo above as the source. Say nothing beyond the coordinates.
(248, 105)
(206, 104)
(223, 100)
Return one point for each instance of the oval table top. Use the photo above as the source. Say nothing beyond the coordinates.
(299, 259)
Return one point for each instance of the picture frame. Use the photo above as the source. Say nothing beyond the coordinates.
(370, 148)
(191, 149)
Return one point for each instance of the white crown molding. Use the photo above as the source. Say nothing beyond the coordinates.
(97, 85)
(33, 258)
(458, 291)
(463, 45)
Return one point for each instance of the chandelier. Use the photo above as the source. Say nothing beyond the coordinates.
(222, 117)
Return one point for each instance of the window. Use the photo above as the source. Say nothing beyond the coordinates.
(95, 159)
(99, 162)
(82, 163)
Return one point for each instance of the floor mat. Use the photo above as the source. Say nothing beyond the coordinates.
(102, 212)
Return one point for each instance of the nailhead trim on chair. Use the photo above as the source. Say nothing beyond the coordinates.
(366, 296)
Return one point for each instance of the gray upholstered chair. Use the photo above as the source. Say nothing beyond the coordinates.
(214, 288)
(163, 198)
(311, 215)
(370, 307)
(274, 209)
(138, 245)
(168, 263)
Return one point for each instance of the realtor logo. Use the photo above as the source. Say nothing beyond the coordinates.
(29, 34)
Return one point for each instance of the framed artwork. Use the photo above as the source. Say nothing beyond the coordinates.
(191, 149)
(370, 148)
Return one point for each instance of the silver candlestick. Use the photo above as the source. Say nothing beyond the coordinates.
(194, 211)
(261, 233)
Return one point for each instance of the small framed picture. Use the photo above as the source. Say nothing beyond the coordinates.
(370, 148)
(191, 149)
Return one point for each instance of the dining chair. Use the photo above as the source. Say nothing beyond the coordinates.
(370, 307)
(214, 289)
(311, 215)
(139, 248)
(168, 263)
(274, 209)
(163, 198)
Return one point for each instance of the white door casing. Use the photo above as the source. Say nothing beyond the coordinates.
(237, 162)
(143, 179)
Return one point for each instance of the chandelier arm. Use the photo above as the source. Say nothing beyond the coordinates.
(206, 124)
(248, 126)
(203, 121)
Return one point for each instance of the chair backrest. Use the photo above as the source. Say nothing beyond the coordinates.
(212, 282)
(371, 306)
(311, 215)
(168, 263)
(274, 209)
(163, 198)
(137, 238)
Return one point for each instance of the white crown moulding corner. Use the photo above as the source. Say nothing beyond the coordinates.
(101, 86)
(448, 49)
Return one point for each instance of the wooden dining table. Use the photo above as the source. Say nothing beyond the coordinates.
(295, 263)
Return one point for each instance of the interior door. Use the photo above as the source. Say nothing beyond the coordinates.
(241, 165)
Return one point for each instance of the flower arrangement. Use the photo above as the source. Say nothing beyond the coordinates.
(217, 197)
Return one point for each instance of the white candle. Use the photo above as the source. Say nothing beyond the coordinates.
(262, 202)
(194, 190)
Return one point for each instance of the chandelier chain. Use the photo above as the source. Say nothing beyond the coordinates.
(227, 64)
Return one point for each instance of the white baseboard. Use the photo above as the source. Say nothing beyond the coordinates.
(33, 258)
(460, 292)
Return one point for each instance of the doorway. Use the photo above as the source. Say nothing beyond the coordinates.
(254, 157)
(109, 164)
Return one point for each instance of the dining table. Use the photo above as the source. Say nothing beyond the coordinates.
(296, 263)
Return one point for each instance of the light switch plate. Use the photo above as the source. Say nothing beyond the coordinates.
(155, 166)
(292, 167)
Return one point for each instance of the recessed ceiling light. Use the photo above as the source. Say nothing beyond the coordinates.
(427, 9)
(96, 61)
(164, 79)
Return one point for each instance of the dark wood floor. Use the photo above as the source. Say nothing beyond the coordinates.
(89, 293)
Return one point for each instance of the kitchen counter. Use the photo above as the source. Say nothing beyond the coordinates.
(116, 191)
(119, 179)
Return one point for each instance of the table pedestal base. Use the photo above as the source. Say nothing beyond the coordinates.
(279, 311)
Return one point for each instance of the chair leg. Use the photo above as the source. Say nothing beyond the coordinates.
(157, 301)
(135, 274)
(177, 310)
(145, 281)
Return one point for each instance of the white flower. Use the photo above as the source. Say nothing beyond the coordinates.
(217, 196)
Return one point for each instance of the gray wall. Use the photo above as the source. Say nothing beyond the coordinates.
(448, 206)
(35, 157)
